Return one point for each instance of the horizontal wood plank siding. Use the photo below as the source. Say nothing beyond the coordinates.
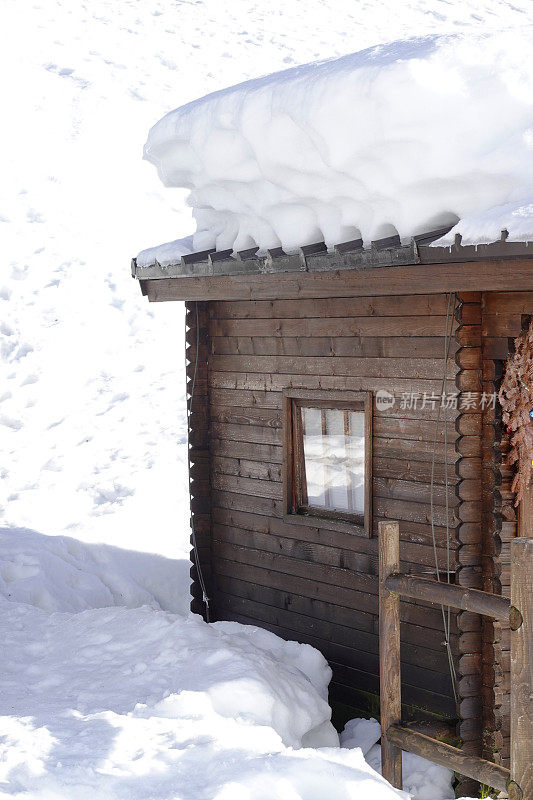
(317, 581)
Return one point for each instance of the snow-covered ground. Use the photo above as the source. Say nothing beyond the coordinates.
(108, 692)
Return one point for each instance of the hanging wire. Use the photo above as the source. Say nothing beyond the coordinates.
(446, 616)
(196, 554)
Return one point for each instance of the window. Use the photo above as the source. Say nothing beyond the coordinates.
(328, 457)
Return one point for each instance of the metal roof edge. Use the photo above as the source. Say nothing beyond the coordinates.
(317, 258)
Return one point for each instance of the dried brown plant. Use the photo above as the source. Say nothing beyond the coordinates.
(516, 398)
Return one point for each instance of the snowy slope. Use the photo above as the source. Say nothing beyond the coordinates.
(91, 378)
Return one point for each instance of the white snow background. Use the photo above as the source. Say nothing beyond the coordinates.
(107, 691)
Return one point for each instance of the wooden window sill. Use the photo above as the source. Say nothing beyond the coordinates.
(315, 521)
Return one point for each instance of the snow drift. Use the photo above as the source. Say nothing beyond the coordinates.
(59, 573)
(107, 695)
(400, 138)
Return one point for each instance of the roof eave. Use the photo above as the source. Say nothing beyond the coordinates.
(387, 267)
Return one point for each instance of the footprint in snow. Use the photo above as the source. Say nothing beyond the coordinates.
(10, 422)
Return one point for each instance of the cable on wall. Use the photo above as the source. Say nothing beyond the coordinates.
(446, 618)
(196, 554)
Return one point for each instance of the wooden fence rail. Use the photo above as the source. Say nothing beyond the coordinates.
(518, 781)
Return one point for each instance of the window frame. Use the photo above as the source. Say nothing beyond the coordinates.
(295, 509)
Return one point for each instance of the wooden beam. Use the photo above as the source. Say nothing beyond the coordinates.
(447, 756)
(449, 594)
(389, 651)
(488, 276)
(521, 785)
(525, 513)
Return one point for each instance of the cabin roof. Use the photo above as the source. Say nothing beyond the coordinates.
(387, 267)
(388, 252)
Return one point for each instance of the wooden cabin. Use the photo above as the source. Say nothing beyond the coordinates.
(331, 390)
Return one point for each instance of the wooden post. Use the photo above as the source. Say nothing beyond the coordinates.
(389, 651)
(520, 786)
(525, 513)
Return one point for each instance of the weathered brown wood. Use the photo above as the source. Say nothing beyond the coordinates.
(509, 325)
(389, 651)
(525, 514)
(420, 368)
(521, 786)
(295, 548)
(417, 540)
(496, 348)
(469, 489)
(427, 638)
(247, 486)
(345, 676)
(436, 278)
(268, 417)
(507, 303)
(325, 592)
(448, 756)
(317, 548)
(468, 357)
(379, 306)
(340, 577)
(421, 430)
(368, 347)
(449, 595)
(246, 433)
(414, 491)
(408, 469)
(414, 512)
(244, 398)
(415, 449)
(307, 606)
(497, 504)
(403, 409)
(469, 424)
(246, 468)
(277, 381)
(261, 453)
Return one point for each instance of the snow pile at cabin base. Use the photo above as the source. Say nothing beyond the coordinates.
(404, 138)
(108, 695)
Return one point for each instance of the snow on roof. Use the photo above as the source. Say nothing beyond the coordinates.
(397, 139)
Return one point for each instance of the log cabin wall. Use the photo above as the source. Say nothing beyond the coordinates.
(469, 533)
(504, 314)
(311, 583)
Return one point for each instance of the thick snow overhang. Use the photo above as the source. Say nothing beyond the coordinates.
(386, 267)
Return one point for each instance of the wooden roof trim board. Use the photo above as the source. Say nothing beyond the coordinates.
(499, 275)
(387, 267)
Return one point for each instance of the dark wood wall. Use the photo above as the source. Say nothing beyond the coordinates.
(312, 583)
(504, 315)
(319, 585)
